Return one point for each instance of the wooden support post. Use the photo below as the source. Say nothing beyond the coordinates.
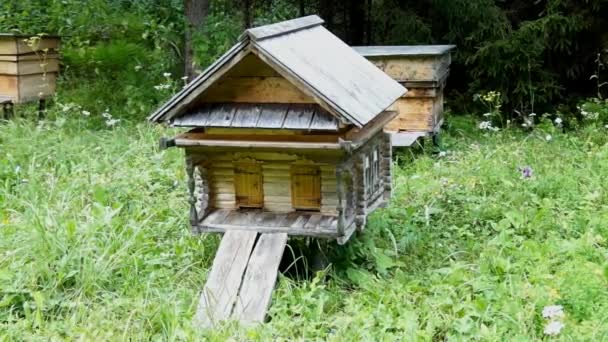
(360, 190)
(8, 109)
(41, 108)
(341, 207)
(386, 165)
(191, 188)
(201, 194)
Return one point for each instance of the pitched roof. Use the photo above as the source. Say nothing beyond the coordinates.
(314, 60)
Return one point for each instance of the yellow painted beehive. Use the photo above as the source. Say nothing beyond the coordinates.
(423, 70)
(28, 67)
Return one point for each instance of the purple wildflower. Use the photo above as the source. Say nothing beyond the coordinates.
(526, 172)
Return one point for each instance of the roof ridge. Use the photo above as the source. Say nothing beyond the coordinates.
(281, 28)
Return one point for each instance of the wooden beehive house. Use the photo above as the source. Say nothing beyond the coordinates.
(285, 138)
(423, 70)
(28, 67)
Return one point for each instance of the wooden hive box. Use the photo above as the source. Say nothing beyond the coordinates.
(28, 67)
(423, 70)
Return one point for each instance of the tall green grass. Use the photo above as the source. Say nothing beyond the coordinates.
(95, 245)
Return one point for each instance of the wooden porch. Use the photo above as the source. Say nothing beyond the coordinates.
(303, 223)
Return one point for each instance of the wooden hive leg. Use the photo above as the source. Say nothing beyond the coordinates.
(8, 109)
(386, 165)
(41, 108)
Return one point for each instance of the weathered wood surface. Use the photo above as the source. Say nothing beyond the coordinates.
(219, 295)
(28, 67)
(248, 185)
(11, 44)
(423, 70)
(405, 139)
(28, 73)
(292, 223)
(404, 50)
(288, 26)
(339, 76)
(262, 116)
(189, 142)
(306, 187)
(416, 114)
(414, 68)
(24, 88)
(260, 278)
(276, 179)
(254, 90)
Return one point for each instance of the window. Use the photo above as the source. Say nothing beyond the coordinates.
(371, 171)
(305, 187)
(248, 185)
(375, 170)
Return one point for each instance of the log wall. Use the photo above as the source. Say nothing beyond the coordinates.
(276, 173)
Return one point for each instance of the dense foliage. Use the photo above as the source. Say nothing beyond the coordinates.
(537, 54)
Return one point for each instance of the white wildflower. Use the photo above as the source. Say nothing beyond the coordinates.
(548, 137)
(138, 67)
(487, 114)
(185, 78)
(442, 154)
(112, 122)
(553, 328)
(167, 74)
(606, 126)
(487, 125)
(17, 169)
(532, 114)
(552, 311)
(86, 113)
(162, 86)
(106, 114)
(558, 121)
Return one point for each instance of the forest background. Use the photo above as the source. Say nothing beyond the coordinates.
(540, 56)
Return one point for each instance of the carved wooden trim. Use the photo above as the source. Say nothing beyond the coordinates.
(191, 190)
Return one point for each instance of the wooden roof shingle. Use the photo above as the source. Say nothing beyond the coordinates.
(249, 115)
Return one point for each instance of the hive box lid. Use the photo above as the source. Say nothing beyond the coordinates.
(15, 44)
(404, 50)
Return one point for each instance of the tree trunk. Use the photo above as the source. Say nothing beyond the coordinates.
(327, 11)
(369, 38)
(302, 6)
(196, 12)
(246, 14)
(356, 21)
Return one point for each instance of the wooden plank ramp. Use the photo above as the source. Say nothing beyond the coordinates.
(242, 278)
